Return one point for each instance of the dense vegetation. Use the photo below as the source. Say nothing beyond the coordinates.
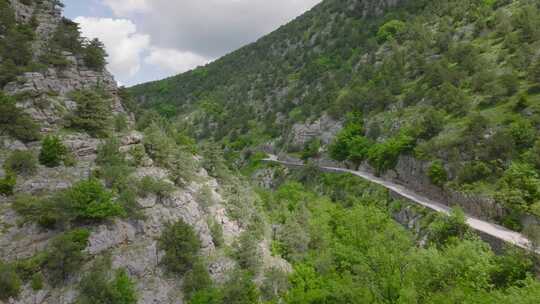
(453, 82)
(337, 232)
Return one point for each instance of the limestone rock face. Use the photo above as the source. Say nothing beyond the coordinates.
(324, 128)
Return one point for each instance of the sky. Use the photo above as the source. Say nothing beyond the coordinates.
(152, 39)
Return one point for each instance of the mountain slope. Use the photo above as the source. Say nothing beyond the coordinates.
(443, 96)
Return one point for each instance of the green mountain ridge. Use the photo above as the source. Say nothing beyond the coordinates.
(451, 83)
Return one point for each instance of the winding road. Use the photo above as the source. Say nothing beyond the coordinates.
(479, 225)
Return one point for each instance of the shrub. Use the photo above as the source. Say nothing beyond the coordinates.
(89, 200)
(437, 173)
(205, 197)
(7, 184)
(240, 289)
(149, 185)
(216, 230)
(473, 172)
(97, 286)
(94, 55)
(120, 123)
(311, 149)
(21, 162)
(10, 283)
(44, 212)
(207, 296)
(196, 279)
(523, 133)
(247, 253)
(514, 266)
(158, 145)
(52, 152)
(14, 122)
(448, 227)
(65, 255)
(519, 188)
(114, 169)
(93, 112)
(37, 281)
(181, 245)
(384, 156)
(391, 29)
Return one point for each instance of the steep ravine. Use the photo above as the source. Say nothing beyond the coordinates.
(47, 97)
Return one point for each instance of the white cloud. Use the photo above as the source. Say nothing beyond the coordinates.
(122, 42)
(126, 7)
(209, 28)
(174, 60)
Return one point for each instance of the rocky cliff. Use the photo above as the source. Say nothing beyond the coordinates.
(48, 97)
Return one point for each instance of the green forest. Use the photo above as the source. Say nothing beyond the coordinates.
(454, 83)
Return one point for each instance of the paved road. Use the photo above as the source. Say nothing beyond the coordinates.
(488, 228)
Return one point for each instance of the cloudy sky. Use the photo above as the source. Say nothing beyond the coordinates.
(152, 39)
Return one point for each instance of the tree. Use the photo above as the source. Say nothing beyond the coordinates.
(437, 173)
(52, 152)
(181, 246)
(93, 112)
(95, 54)
(196, 279)
(391, 29)
(7, 183)
(21, 162)
(97, 288)
(65, 255)
(90, 200)
(14, 122)
(10, 283)
(358, 147)
(240, 289)
(448, 227)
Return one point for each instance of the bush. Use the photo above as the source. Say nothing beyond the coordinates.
(384, 156)
(523, 133)
(14, 122)
(93, 113)
(196, 279)
(473, 172)
(216, 230)
(94, 55)
(437, 173)
(240, 289)
(53, 152)
(10, 283)
(89, 200)
(120, 123)
(97, 288)
(247, 253)
(65, 255)
(45, 212)
(181, 245)
(311, 149)
(391, 29)
(448, 227)
(519, 188)
(7, 184)
(114, 168)
(21, 162)
(149, 185)
(514, 266)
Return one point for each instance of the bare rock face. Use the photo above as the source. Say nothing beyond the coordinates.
(324, 128)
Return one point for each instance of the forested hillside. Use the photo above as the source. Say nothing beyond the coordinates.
(454, 84)
(176, 205)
